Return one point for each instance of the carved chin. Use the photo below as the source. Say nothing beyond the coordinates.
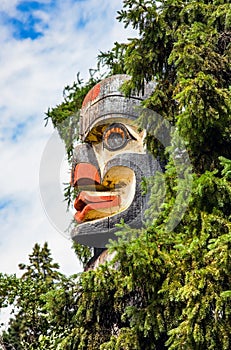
(94, 205)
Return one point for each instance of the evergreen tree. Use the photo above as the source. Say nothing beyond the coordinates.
(172, 290)
(29, 319)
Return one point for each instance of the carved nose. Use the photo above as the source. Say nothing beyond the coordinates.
(85, 168)
(86, 174)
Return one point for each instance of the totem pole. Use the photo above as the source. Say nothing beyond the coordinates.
(109, 164)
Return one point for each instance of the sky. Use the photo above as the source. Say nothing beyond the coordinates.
(44, 44)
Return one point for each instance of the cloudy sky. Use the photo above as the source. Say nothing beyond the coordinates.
(44, 44)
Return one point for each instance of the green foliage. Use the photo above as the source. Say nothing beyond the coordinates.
(185, 47)
(226, 163)
(84, 253)
(114, 59)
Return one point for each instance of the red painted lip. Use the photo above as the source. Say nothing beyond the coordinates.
(84, 203)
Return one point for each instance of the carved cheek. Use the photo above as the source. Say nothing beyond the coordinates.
(123, 180)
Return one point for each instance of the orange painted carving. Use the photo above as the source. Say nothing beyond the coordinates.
(84, 203)
(92, 95)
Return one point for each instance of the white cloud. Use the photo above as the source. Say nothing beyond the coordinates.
(8, 6)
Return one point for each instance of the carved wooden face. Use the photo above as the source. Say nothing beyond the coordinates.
(108, 166)
(106, 190)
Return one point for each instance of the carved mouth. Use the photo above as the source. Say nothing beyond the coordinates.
(93, 206)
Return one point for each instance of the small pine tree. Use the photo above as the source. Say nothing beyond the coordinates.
(29, 319)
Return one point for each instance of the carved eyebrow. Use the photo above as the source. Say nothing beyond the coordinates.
(114, 127)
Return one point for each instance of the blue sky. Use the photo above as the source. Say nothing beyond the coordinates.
(28, 21)
(44, 44)
(25, 22)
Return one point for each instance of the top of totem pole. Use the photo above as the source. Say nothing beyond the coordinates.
(106, 99)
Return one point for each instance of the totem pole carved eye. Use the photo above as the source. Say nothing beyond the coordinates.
(115, 137)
